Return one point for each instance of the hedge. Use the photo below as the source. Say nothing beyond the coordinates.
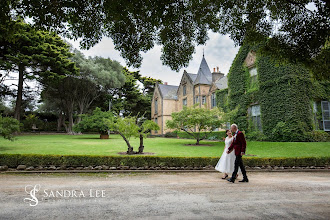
(13, 160)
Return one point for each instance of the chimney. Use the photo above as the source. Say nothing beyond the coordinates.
(165, 83)
(216, 74)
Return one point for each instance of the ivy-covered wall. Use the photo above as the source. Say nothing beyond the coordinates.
(238, 84)
(222, 99)
(285, 100)
(284, 92)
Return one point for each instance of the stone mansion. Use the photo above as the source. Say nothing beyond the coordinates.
(194, 88)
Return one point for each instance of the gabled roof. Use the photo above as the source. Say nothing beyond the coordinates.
(168, 91)
(222, 83)
(192, 76)
(204, 75)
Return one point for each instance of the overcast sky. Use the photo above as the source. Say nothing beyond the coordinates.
(219, 51)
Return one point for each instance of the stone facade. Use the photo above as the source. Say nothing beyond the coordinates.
(193, 89)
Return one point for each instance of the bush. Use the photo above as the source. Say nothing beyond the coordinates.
(319, 136)
(13, 160)
(256, 136)
(97, 122)
(215, 135)
(8, 126)
(171, 134)
(285, 133)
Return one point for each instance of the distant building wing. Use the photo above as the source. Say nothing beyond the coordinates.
(168, 91)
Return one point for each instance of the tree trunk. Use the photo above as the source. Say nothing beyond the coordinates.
(130, 148)
(59, 121)
(197, 141)
(18, 106)
(81, 111)
(70, 126)
(141, 148)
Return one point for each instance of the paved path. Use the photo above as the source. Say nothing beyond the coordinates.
(166, 196)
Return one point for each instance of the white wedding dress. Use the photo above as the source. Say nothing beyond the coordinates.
(226, 163)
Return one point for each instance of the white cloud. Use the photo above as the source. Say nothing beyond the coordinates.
(219, 51)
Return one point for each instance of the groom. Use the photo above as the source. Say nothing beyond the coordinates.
(239, 144)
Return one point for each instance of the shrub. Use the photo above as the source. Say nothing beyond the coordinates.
(285, 133)
(97, 122)
(171, 134)
(319, 136)
(8, 126)
(256, 136)
(30, 121)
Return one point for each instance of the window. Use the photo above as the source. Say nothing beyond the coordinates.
(156, 106)
(184, 90)
(213, 100)
(184, 102)
(253, 73)
(255, 115)
(196, 99)
(325, 105)
(156, 121)
(203, 99)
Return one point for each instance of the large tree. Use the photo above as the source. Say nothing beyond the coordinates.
(74, 95)
(134, 97)
(34, 54)
(297, 30)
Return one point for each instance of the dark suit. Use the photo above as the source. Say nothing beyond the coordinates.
(239, 144)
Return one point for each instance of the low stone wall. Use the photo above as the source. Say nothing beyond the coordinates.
(146, 168)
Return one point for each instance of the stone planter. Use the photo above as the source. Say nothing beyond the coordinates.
(104, 136)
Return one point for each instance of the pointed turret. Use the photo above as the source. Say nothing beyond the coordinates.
(204, 75)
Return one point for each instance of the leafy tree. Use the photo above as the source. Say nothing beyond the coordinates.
(196, 122)
(34, 54)
(294, 31)
(8, 127)
(126, 128)
(74, 95)
(134, 97)
(97, 122)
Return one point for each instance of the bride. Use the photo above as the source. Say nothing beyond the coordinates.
(227, 161)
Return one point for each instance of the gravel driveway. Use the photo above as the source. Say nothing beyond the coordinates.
(268, 195)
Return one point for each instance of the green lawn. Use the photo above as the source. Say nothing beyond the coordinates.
(92, 145)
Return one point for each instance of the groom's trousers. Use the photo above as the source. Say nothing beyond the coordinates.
(239, 163)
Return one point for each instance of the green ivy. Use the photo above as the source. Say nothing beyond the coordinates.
(222, 99)
(238, 83)
(284, 92)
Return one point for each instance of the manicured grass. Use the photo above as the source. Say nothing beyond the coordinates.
(92, 145)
